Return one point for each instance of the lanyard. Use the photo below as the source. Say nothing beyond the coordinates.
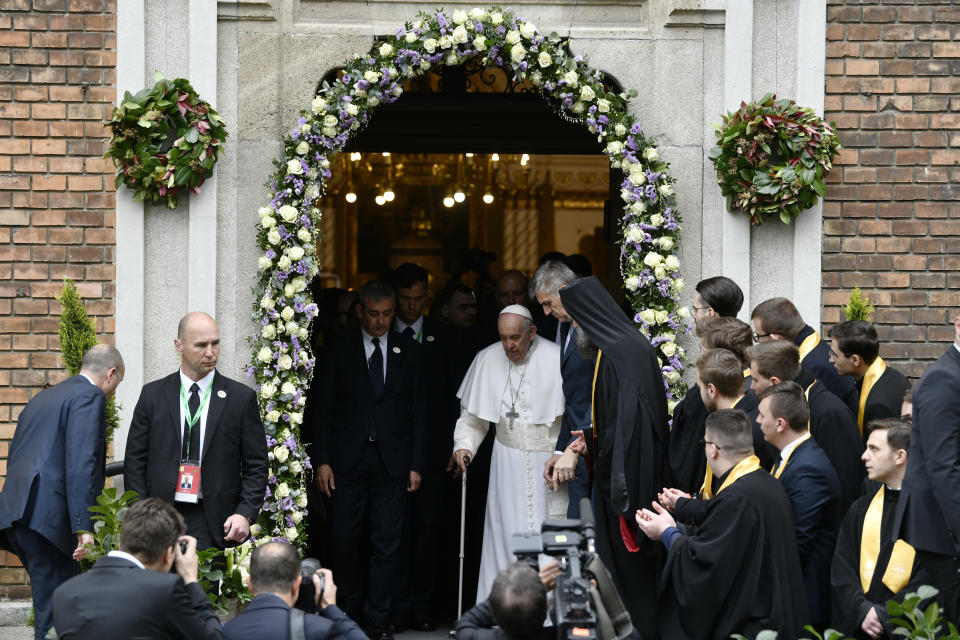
(192, 420)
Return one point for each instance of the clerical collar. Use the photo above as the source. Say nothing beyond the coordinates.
(203, 382)
(116, 553)
(417, 325)
(787, 450)
(891, 490)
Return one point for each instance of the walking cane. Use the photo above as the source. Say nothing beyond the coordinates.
(463, 520)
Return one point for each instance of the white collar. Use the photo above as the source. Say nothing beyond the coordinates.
(203, 382)
(89, 379)
(367, 338)
(116, 553)
(417, 325)
(785, 452)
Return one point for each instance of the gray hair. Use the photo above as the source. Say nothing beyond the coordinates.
(100, 358)
(549, 277)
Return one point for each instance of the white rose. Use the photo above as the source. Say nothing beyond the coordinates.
(254, 529)
(296, 467)
(651, 153)
(638, 207)
(631, 283)
(638, 175)
(446, 42)
(603, 106)
(312, 191)
(318, 105)
(303, 147)
(678, 285)
(671, 376)
(286, 314)
(480, 43)
(330, 132)
(266, 302)
(451, 59)
(265, 354)
(263, 262)
(683, 312)
(282, 490)
(302, 333)
(295, 253)
(289, 389)
(304, 236)
(288, 290)
(571, 78)
(302, 499)
(267, 222)
(614, 148)
(496, 18)
(424, 64)
(634, 233)
(662, 316)
(410, 37)
(417, 25)
(656, 220)
(668, 348)
(586, 93)
(671, 405)
(544, 59)
(264, 212)
(648, 316)
(284, 262)
(652, 259)
(460, 35)
(660, 272)
(577, 107)
(330, 120)
(513, 36)
(294, 167)
(665, 190)
(267, 390)
(305, 128)
(673, 263)
(296, 516)
(292, 327)
(269, 332)
(290, 533)
(620, 130)
(302, 356)
(288, 213)
(371, 76)
(296, 418)
(518, 52)
(273, 416)
(477, 14)
(285, 362)
(299, 284)
(666, 243)
(386, 49)
(430, 45)
(459, 16)
(528, 30)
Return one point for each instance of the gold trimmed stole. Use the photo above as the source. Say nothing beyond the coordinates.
(706, 492)
(900, 565)
(809, 344)
(874, 371)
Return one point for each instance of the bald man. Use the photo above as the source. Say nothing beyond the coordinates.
(196, 440)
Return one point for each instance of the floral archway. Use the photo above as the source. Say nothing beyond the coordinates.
(288, 229)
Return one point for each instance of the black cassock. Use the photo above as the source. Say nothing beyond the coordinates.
(885, 399)
(740, 571)
(850, 603)
(628, 453)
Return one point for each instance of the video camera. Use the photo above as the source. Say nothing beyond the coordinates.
(573, 544)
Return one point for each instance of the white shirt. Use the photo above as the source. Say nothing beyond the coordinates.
(785, 452)
(417, 327)
(203, 383)
(126, 556)
(368, 348)
(89, 379)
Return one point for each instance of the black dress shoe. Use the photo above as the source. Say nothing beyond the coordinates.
(380, 631)
(423, 623)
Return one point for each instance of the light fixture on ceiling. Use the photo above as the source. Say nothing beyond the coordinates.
(380, 200)
(351, 197)
(488, 198)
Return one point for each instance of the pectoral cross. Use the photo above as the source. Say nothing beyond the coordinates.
(512, 414)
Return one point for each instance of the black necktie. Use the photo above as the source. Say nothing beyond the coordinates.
(376, 368)
(193, 404)
(409, 333)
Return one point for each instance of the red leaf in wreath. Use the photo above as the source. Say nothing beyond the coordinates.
(202, 126)
(182, 104)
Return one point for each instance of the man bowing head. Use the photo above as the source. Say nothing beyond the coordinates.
(196, 440)
(516, 385)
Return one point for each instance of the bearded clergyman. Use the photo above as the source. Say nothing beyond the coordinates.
(517, 386)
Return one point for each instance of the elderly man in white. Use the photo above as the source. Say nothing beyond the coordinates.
(516, 385)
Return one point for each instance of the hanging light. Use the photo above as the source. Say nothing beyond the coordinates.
(386, 154)
(380, 200)
(469, 155)
(389, 195)
(495, 157)
(351, 197)
(488, 198)
(459, 196)
(524, 159)
(354, 156)
(448, 202)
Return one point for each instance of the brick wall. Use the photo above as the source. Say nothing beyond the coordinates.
(57, 76)
(892, 211)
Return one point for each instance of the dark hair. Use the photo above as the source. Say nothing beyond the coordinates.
(518, 601)
(776, 359)
(409, 274)
(722, 294)
(446, 294)
(718, 332)
(898, 432)
(856, 337)
(274, 567)
(722, 369)
(375, 290)
(779, 316)
(552, 256)
(730, 430)
(579, 264)
(150, 528)
(788, 402)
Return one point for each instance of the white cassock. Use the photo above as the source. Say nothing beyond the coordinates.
(517, 500)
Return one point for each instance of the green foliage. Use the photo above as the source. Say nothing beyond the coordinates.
(77, 334)
(165, 140)
(859, 307)
(107, 518)
(772, 158)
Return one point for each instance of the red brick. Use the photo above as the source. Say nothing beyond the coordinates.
(911, 192)
(933, 68)
(912, 121)
(933, 32)
(864, 68)
(945, 121)
(29, 56)
(946, 49)
(928, 245)
(894, 174)
(893, 280)
(930, 139)
(48, 218)
(913, 85)
(66, 23)
(896, 67)
(30, 128)
(878, 49)
(48, 111)
(893, 209)
(931, 103)
(879, 14)
(64, 58)
(933, 174)
(14, 39)
(931, 209)
(914, 50)
(898, 31)
(915, 14)
(912, 156)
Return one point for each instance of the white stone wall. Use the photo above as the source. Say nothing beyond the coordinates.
(259, 61)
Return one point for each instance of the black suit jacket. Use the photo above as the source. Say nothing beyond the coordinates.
(929, 513)
(117, 600)
(814, 492)
(347, 406)
(886, 396)
(577, 374)
(440, 381)
(267, 618)
(478, 624)
(818, 363)
(55, 466)
(233, 476)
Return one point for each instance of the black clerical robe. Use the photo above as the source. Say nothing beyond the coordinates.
(629, 449)
(740, 572)
(815, 359)
(884, 398)
(850, 603)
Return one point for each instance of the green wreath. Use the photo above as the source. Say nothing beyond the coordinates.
(773, 157)
(165, 140)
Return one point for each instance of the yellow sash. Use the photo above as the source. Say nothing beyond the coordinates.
(746, 373)
(874, 371)
(778, 470)
(809, 344)
(705, 491)
(742, 468)
(900, 565)
(593, 396)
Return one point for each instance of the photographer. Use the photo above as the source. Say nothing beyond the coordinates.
(517, 605)
(275, 580)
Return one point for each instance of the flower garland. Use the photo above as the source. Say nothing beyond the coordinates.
(773, 157)
(142, 127)
(287, 232)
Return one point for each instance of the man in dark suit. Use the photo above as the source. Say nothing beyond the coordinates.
(131, 593)
(423, 524)
(55, 471)
(197, 417)
(778, 319)
(811, 485)
(855, 352)
(929, 512)
(566, 465)
(516, 608)
(369, 447)
(275, 582)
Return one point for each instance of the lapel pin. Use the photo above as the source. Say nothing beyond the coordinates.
(396, 349)
(429, 338)
(221, 394)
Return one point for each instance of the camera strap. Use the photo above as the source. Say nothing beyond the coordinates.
(295, 618)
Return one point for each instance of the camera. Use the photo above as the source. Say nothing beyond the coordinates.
(307, 600)
(573, 544)
(183, 546)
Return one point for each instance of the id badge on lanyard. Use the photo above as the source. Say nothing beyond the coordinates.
(188, 482)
